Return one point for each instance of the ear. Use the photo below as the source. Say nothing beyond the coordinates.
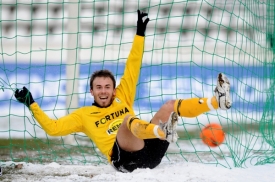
(114, 92)
(91, 91)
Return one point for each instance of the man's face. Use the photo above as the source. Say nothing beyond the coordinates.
(103, 91)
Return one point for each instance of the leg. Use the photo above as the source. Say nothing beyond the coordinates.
(185, 108)
(196, 106)
(164, 112)
(133, 131)
(192, 107)
(167, 116)
(126, 139)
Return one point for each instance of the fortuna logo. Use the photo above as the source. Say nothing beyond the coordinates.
(112, 116)
(117, 100)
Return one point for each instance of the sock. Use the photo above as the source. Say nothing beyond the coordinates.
(195, 106)
(144, 130)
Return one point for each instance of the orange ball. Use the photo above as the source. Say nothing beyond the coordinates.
(212, 135)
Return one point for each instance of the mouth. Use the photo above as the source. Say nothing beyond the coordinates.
(103, 98)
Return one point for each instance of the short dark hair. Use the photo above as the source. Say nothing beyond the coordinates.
(102, 73)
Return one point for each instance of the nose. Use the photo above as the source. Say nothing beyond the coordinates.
(103, 90)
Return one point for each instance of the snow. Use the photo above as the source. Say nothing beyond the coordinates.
(166, 171)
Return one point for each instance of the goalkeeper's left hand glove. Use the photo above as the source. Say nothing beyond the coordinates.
(24, 96)
(141, 25)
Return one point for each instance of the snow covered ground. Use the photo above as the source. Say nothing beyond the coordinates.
(166, 171)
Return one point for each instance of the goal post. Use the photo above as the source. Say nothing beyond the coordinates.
(72, 66)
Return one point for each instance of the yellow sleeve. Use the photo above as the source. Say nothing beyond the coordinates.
(128, 82)
(59, 127)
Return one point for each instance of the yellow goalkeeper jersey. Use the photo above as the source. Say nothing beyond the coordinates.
(100, 124)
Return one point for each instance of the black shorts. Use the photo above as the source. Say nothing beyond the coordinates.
(148, 157)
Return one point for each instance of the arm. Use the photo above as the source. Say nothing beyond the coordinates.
(60, 127)
(128, 82)
(127, 87)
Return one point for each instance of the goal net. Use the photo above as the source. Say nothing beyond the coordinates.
(53, 46)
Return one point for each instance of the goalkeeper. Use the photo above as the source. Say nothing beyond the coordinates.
(110, 122)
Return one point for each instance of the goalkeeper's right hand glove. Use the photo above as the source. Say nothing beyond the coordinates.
(24, 96)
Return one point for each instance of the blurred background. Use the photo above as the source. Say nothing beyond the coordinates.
(38, 29)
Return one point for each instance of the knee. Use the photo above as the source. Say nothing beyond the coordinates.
(126, 120)
(169, 105)
(123, 126)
